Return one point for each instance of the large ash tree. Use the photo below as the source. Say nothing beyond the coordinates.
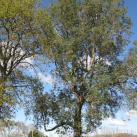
(20, 23)
(89, 37)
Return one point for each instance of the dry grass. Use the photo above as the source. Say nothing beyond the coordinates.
(111, 132)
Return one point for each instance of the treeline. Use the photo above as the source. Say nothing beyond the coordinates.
(11, 128)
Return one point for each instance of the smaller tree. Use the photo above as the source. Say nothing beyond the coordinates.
(19, 34)
(11, 128)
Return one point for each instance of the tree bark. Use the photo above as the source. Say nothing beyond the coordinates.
(77, 118)
(2, 86)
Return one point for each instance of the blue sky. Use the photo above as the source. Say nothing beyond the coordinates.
(112, 124)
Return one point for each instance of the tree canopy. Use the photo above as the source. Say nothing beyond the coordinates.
(130, 62)
(19, 33)
(89, 36)
(11, 128)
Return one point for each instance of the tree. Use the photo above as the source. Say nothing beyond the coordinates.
(35, 134)
(11, 128)
(20, 30)
(130, 62)
(89, 37)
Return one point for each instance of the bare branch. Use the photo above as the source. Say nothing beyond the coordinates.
(63, 123)
(91, 64)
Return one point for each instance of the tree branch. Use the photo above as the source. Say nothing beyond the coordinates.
(91, 64)
(65, 79)
(61, 124)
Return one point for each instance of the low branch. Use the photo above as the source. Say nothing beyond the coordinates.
(61, 124)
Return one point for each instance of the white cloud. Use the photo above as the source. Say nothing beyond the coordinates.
(103, 60)
(119, 129)
(48, 79)
(97, 60)
(27, 61)
(132, 113)
(111, 121)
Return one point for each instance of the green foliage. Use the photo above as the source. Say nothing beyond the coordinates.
(35, 134)
(89, 35)
(20, 31)
(131, 86)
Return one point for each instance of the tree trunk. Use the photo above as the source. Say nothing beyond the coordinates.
(77, 132)
(77, 118)
(2, 91)
(2, 86)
